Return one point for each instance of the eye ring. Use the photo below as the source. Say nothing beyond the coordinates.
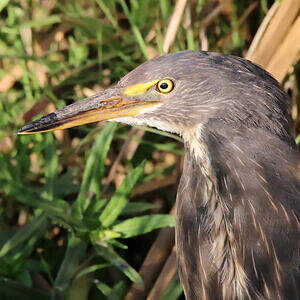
(165, 86)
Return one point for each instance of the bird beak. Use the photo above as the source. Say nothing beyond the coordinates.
(106, 105)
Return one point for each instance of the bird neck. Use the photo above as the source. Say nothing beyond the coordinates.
(227, 186)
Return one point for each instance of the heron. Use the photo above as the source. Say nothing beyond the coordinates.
(238, 205)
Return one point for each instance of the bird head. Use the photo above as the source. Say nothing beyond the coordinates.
(178, 91)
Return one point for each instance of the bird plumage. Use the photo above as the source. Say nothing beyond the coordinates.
(237, 227)
(238, 202)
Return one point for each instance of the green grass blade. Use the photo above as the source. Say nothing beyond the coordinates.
(3, 3)
(133, 208)
(106, 291)
(74, 255)
(141, 225)
(119, 199)
(118, 292)
(110, 255)
(51, 166)
(17, 290)
(135, 29)
(92, 269)
(26, 81)
(107, 13)
(53, 19)
(24, 195)
(94, 169)
(23, 234)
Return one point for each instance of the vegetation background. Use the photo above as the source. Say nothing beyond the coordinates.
(60, 236)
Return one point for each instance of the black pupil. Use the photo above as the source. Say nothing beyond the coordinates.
(164, 85)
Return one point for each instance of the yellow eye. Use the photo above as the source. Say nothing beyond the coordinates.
(165, 86)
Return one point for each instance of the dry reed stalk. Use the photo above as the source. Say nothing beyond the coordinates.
(287, 53)
(166, 275)
(276, 31)
(261, 30)
(174, 24)
(153, 262)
